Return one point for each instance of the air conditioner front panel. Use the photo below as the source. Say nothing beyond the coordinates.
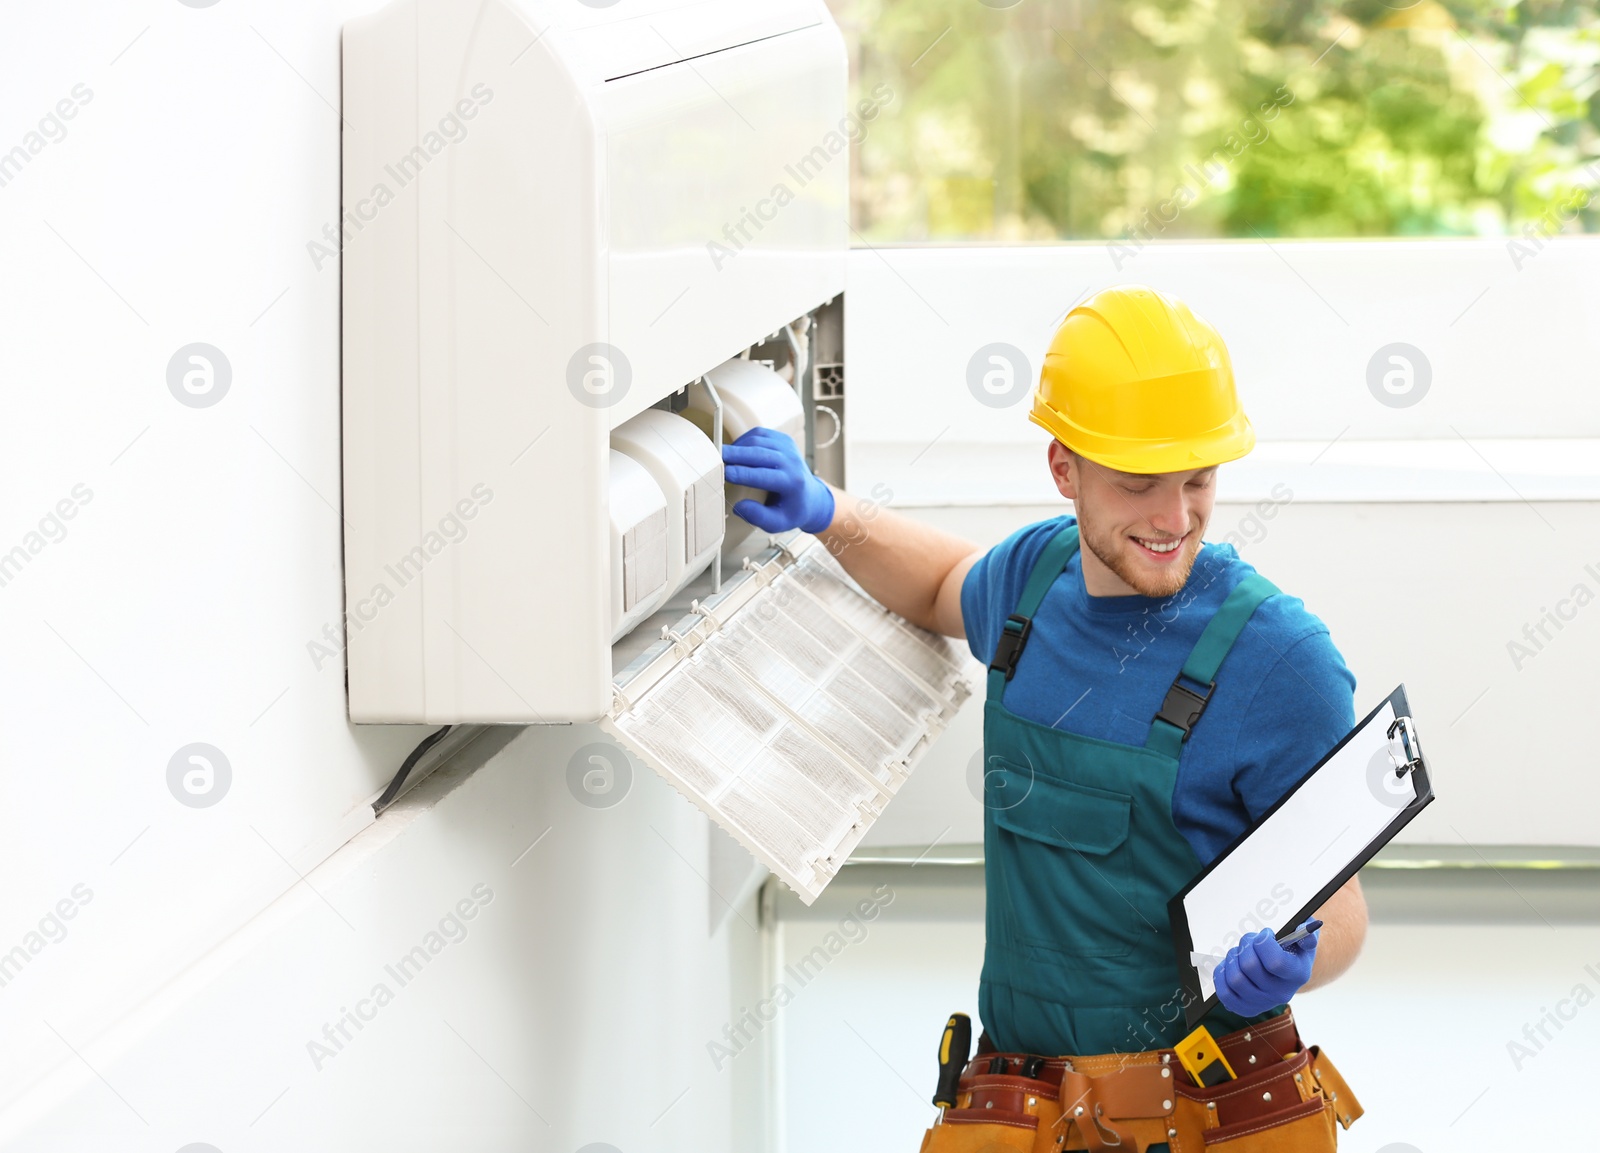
(784, 719)
(727, 202)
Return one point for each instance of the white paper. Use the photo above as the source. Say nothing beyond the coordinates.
(1301, 848)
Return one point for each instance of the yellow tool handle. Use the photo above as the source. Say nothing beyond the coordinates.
(954, 1048)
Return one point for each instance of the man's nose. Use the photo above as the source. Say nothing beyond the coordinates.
(1168, 511)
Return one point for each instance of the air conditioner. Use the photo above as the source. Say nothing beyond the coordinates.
(583, 242)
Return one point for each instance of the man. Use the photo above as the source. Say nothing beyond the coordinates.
(1104, 794)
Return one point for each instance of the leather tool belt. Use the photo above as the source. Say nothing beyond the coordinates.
(1286, 1098)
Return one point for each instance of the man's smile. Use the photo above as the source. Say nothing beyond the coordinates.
(1159, 551)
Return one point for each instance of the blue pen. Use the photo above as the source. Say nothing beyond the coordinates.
(1203, 960)
(1301, 933)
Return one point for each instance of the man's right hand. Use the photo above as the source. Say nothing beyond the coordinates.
(767, 459)
(909, 567)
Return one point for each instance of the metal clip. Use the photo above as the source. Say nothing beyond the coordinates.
(681, 644)
(1405, 750)
(783, 546)
(620, 703)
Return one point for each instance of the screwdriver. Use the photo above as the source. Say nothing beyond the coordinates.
(954, 1048)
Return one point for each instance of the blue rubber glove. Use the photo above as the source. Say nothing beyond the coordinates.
(1259, 974)
(767, 459)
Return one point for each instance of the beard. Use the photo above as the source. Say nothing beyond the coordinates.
(1117, 554)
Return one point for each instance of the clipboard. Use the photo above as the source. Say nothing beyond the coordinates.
(1282, 868)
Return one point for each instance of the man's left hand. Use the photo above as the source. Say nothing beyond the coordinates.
(1259, 974)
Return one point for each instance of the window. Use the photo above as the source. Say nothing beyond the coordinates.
(1045, 120)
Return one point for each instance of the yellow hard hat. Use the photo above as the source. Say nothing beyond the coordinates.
(1137, 382)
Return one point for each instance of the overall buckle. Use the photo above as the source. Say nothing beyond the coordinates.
(1183, 705)
(1013, 636)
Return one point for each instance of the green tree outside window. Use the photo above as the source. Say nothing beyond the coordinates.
(1045, 120)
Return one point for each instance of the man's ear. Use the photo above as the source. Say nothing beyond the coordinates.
(1061, 460)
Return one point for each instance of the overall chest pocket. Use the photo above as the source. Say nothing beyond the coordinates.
(1066, 868)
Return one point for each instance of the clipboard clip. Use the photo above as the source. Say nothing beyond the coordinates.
(1404, 749)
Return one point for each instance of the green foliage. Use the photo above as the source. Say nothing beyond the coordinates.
(1094, 119)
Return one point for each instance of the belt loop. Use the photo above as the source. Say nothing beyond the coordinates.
(1080, 1106)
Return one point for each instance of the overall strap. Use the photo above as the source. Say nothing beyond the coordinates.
(1014, 634)
(1183, 705)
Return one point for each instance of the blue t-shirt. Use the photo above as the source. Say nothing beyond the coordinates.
(1101, 666)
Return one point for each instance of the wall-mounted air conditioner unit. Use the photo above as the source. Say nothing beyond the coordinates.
(582, 245)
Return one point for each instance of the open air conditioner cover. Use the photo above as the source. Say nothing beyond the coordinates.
(798, 715)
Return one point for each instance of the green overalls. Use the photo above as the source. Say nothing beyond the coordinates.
(1082, 856)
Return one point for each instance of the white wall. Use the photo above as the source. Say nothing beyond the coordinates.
(570, 1001)
(179, 605)
(1512, 351)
